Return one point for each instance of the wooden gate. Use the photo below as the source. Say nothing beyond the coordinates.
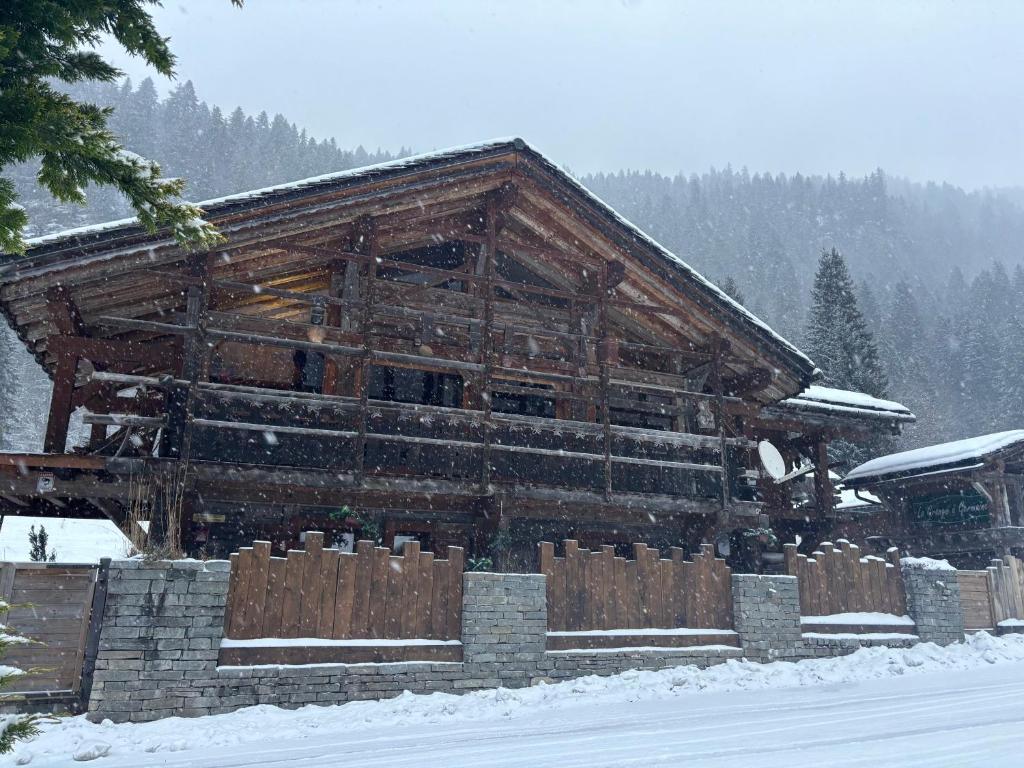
(597, 600)
(321, 605)
(1006, 583)
(976, 600)
(834, 581)
(53, 607)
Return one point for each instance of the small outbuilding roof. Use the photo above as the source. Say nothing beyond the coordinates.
(843, 401)
(964, 454)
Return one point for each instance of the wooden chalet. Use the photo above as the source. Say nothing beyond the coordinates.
(963, 501)
(465, 348)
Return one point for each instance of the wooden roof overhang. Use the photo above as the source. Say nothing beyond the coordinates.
(551, 221)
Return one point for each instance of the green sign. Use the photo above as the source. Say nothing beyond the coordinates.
(950, 509)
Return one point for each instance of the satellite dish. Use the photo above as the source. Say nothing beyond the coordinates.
(771, 460)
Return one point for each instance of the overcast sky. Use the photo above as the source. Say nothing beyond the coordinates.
(924, 90)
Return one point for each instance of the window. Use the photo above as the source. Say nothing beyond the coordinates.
(523, 404)
(409, 385)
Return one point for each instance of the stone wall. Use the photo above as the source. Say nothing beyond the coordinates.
(933, 602)
(766, 611)
(163, 625)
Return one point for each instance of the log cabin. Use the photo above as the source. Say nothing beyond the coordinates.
(465, 348)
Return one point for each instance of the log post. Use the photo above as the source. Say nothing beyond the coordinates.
(718, 388)
(57, 423)
(363, 241)
(822, 482)
(603, 350)
(485, 269)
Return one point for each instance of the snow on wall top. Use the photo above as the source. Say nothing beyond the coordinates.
(932, 457)
(831, 400)
(420, 161)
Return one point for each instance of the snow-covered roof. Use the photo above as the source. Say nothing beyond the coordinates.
(843, 401)
(959, 454)
(98, 233)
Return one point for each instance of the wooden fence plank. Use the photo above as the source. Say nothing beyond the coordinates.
(439, 600)
(291, 608)
(424, 595)
(456, 561)
(411, 591)
(621, 615)
(345, 592)
(328, 593)
(239, 623)
(274, 607)
(393, 605)
(574, 595)
(378, 593)
(360, 626)
(311, 585)
(231, 602)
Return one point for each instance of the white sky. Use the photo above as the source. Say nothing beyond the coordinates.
(925, 90)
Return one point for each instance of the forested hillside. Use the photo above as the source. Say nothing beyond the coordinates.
(218, 154)
(937, 269)
(938, 272)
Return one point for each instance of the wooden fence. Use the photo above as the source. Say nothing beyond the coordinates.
(1006, 581)
(840, 580)
(993, 595)
(325, 595)
(588, 591)
(54, 609)
(976, 600)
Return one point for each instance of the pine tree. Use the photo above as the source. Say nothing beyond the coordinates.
(841, 345)
(38, 543)
(13, 728)
(838, 339)
(46, 41)
(732, 290)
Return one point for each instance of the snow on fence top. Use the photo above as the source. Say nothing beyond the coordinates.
(316, 184)
(842, 401)
(955, 455)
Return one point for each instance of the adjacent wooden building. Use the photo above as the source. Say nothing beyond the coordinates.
(962, 500)
(463, 348)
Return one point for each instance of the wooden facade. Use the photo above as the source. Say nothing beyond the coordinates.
(465, 348)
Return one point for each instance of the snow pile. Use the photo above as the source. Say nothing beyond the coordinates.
(76, 736)
(860, 618)
(926, 564)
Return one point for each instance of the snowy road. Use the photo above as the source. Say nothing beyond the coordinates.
(946, 716)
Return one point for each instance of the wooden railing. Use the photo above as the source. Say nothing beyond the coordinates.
(575, 457)
(594, 592)
(326, 595)
(840, 580)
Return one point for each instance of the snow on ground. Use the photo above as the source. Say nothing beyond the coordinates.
(74, 541)
(924, 706)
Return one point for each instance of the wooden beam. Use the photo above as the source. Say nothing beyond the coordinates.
(485, 268)
(603, 362)
(56, 438)
(364, 242)
(63, 311)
